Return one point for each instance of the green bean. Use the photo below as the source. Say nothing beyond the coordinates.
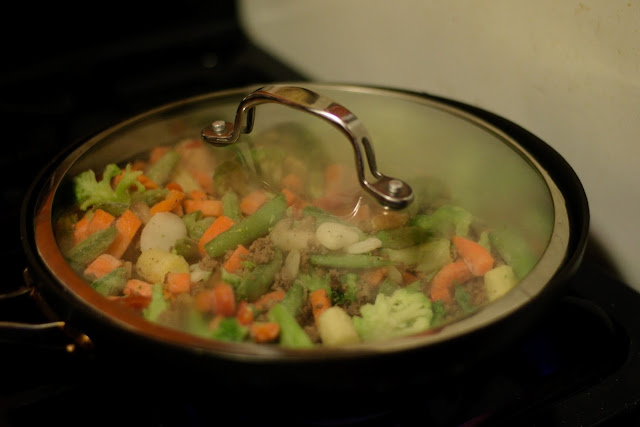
(259, 280)
(246, 231)
(402, 237)
(160, 171)
(348, 260)
(112, 283)
(294, 298)
(149, 197)
(187, 248)
(291, 333)
(231, 206)
(196, 224)
(87, 250)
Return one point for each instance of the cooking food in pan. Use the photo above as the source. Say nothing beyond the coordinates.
(282, 248)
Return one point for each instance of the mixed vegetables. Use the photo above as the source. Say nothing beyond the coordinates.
(281, 252)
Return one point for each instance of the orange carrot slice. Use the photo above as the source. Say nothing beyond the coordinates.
(444, 280)
(102, 265)
(267, 300)
(224, 300)
(138, 287)
(207, 207)
(264, 331)
(178, 283)
(234, 263)
(172, 201)
(222, 223)
(477, 257)
(127, 225)
(244, 313)
(320, 302)
(252, 202)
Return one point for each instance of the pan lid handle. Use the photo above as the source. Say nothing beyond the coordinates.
(391, 192)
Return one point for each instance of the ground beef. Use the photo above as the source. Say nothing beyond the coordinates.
(208, 264)
(282, 282)
(261, 251)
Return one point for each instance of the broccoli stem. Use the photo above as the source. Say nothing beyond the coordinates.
(160, 171)
(348, 260)
(246, 231)
(259, 280)
(87, 250)
(291, 333)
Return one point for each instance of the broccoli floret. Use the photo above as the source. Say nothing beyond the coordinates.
(402, 313)
(89, 191)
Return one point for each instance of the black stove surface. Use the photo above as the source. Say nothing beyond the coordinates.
(580, 366)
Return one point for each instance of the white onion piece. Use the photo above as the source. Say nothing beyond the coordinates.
(292, 264)
(367, 245)
(162, 231)
(334, 236)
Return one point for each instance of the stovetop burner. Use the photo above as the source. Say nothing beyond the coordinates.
(579, 366)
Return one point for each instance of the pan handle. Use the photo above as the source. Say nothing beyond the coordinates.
(390, 192)
(52, 334)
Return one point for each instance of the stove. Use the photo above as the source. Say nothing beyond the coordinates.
(579, 366)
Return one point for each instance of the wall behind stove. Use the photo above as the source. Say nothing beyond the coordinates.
(567, 71)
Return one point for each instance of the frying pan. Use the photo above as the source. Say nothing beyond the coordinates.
(495, 167)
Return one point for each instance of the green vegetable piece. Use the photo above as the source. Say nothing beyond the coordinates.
(294, 298)
(87, 250)
(252, 227)
(233, 279)
(314, 281)
(446, 221)
(230, 329)
(348, 260)
(196, 224)
(233, 175)
(258, 281)
(161, 171)
(89, 191)
(387, 287)
(428, 257)
(415, 286)
(291, 333)
(196, 324)
(463, 298)
(399, 314)
(157, 305)
(149, 197)
(403, 237)
(348, 289)
(231, 206)
(321, 215)
(112, 283)
(514, 249)
(187, 248)
(439, 313)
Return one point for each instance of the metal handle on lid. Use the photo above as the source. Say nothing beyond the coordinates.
(390, 192)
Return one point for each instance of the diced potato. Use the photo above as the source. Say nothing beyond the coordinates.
(162, 231)
(291, 265)
(186, 180)
(498, 281)
(336, 328)
(334, 235)
(153, 265)
(367, 245)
